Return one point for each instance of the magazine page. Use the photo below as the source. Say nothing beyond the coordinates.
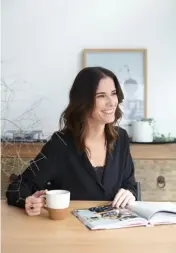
(148, 209)
(163, 218)
(106, 217)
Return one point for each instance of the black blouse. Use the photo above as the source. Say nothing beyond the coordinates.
(59, 165)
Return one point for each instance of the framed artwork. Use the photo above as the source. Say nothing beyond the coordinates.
(130, 67)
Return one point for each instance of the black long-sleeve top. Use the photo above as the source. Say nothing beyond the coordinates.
(59, 165)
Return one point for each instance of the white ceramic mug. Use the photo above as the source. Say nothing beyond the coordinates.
(57, 204)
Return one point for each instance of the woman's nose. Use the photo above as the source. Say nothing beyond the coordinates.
(110, 102)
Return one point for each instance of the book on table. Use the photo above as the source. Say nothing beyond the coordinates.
(141, 213)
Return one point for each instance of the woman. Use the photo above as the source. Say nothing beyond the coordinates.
(89, 156)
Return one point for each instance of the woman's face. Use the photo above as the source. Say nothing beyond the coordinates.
(106, 102)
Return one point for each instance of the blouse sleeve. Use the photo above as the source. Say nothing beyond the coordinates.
(40, 171)
(129, 182)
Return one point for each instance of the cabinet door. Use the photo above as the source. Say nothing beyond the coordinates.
(148, 171)
(8, 166)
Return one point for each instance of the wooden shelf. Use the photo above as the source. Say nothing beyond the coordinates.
(138, 151)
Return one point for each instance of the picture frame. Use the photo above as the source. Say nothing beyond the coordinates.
(130, 67)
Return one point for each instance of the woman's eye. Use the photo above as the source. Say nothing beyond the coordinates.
(101, 96)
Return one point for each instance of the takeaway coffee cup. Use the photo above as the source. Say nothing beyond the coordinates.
(57, 204)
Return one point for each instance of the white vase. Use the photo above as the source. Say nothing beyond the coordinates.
(142, 131)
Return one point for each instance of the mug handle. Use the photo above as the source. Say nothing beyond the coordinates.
(44, 196)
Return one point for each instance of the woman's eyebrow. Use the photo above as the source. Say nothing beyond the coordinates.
(98, 93)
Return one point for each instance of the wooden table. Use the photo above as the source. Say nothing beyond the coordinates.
(22, 233)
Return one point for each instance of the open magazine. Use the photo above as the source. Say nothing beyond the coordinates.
(141, 213)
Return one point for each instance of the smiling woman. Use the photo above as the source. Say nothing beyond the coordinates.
(89, 156)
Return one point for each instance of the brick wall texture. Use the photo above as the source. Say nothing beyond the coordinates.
(147, 172)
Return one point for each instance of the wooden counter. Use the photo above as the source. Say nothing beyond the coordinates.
(153, 151)
(138, 151)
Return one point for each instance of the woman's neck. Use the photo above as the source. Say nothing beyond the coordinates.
(95, 132)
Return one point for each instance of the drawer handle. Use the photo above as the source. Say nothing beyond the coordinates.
(161, 182)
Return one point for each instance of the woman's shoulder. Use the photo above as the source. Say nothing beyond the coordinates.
(122, 141)
(121, 133)
(60, 138)
(55, 144)
(122, 137)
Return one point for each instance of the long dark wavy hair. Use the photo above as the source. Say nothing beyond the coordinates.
(81, 104)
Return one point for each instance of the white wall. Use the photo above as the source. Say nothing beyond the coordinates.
(42, 43)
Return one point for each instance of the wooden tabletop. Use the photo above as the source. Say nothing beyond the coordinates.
(39, 234)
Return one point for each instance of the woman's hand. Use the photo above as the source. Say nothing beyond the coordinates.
(123, 198)
(34, 203)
